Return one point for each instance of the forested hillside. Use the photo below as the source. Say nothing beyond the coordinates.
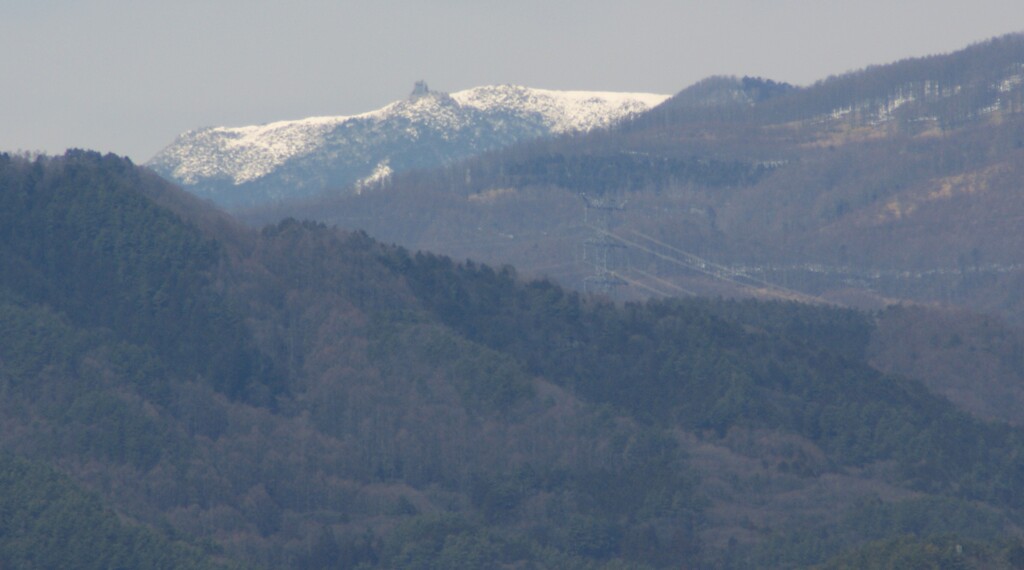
(305, 397)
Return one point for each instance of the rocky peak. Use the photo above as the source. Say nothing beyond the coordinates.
(419, 90)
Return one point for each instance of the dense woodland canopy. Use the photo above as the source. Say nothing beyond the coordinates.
(179, 391)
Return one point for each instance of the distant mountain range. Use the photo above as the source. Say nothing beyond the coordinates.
(895, 182)
(251, 165)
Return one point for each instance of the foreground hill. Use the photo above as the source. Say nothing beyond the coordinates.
(253, 165)
(894, 182)
(304, 397)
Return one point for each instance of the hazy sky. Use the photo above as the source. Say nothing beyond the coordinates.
(128, 76)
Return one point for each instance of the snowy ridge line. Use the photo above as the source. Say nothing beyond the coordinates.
(247, 153)
(567, 110)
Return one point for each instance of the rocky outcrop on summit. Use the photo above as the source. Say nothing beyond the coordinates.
(240, 167)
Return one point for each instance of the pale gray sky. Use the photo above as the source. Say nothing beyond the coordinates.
(127, 76)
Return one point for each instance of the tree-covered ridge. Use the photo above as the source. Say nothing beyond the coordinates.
(950, 89)
(80, 236)
(703, 365)
(596, 172)
(435, 414)
(119, 411)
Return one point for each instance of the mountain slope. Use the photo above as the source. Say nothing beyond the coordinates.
(894, 182)
(137, 269)
(436, 414)
(245, 166)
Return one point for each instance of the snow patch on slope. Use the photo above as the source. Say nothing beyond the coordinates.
(244, 153)
(380, 175)
(563, 111)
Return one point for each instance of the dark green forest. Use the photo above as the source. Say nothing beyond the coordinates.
(49, 522)
(180, 392)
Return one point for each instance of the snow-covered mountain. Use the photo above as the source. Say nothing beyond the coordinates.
(246, 166)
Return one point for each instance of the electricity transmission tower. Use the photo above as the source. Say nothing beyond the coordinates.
(600, 249)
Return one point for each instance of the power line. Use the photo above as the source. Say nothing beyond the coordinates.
(732, 272)
(642, 285)
(664, 282)
(696, 263)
